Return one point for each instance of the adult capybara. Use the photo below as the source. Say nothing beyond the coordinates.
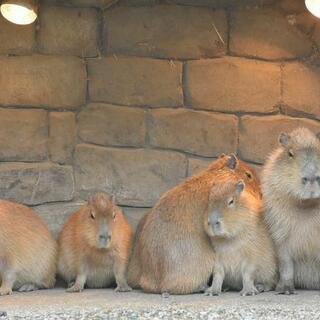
(172, 253)
(94, 246)
(291, 189)
(28, 251)
(245, 258)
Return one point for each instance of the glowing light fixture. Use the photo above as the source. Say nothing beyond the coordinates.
(314, 7)
(19, 11)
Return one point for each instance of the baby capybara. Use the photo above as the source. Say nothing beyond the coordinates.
(244, 253)
(291, 190)
(28, 251)
(172, 253)
(94, 246)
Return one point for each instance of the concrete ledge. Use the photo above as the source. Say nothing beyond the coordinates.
(106, 304)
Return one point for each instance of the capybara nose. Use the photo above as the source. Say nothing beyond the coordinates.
(103, 237)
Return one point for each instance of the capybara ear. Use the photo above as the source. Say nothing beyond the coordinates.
(239, 186)
(232, 161)
(222, 155)
(90, 200)
(284, 139)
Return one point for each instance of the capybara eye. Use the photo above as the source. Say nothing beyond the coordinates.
(290, 153)
(92, 215)
(230, 202)
(113, 215)
(249, 175)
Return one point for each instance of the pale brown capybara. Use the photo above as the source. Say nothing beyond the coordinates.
(245, 257)
(94, 246)
(291, 190)
(172, 253)
(28, 251)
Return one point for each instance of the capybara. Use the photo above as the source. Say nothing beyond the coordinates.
(291, 190)
(172, 253)
(245, 258)
(28, 251)
(94, 246)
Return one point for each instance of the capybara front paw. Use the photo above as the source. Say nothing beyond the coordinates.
(75, 288)
(123, 288)
(4, 291)
(212, 292)
(285, 288)
(249, 291)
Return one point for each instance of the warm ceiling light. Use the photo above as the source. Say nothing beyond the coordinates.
(19, 11)
(314, 7)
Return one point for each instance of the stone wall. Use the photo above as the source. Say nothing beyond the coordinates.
(132, 97)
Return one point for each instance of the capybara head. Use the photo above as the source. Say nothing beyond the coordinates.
(100, 220)
(222, 219)
(244, 172)
(296, 166)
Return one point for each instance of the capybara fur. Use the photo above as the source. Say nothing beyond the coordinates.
(245, 258)
(94, 246)
(172, 253)
(28, 251)
(291, 189)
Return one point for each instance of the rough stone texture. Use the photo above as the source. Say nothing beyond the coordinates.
(62, 136)
(16, 39)
(138, 2)
(166, 31)
(195, 132)
(301, 84)
(68, 31)
(35, 183)
(135, 81)
(196, 165)
(136, 177)
(134, 215)
(293, 6)
(112, 125)
(259, 135)
(316, 34)
(49, 81)
(233, 84)
(82, 3)
(55, 215)
(222, 3)
(271, 35)
(23, 135)
(304, 21)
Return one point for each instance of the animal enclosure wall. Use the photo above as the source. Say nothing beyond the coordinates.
(132, 98)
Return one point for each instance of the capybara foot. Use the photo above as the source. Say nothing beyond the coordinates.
(28, 287)
(71, 284)
(123, 288)
(285, 288)
(4, 291)
(249, 291)
(75, 288)
(264, 287)
(212, 292)
(202, 288)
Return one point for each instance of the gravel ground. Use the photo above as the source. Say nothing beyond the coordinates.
(105, 304)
